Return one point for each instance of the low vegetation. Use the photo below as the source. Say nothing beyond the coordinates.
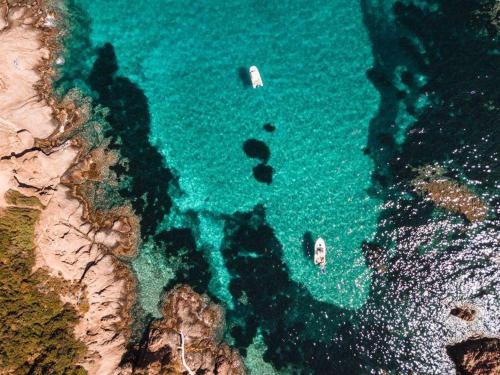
(36, 328)
(15, 198)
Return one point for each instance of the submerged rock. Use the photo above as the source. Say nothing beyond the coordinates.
(476, 356)
(256, 149)
(449, 194)
(269, 127)
(201, 322)
(263, 173)
(464, 312)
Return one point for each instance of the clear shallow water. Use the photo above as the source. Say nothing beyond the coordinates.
(313, 58)
(179, 83)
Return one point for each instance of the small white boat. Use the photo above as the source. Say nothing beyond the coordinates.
(255, 77)
(320, 253)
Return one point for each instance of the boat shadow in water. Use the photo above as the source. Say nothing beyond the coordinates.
(244, 77)
(308, 245)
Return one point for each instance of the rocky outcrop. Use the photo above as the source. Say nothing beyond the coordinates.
(448, 194)
(464, 312)
(476, 356)
(37, 149)
(44, 157)
(201, 322)
(71, 248)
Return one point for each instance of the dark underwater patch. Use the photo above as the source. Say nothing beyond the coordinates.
(308, 245)
(130, 122)
(456, 60)
(298, 330)
(148, 179)
(442, 53)
(193, 268)
(263, 173)
(256, 149)
(269, 127)
(244, 76)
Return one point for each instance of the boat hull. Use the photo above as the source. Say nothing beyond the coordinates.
(320, 253)
(255, 77)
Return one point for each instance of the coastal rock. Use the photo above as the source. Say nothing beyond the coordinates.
(4, 23)
(34, 164)
(69, 249)
(466, 313)
(20, 107)
(201, 322)
(476, 356)
(449, 194)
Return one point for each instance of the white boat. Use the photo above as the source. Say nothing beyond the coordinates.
(255, 77)
(320, 253)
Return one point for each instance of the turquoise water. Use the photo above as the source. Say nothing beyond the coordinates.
(313, 57)
(359, 96)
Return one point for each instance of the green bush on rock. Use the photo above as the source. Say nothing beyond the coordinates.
(36, 328)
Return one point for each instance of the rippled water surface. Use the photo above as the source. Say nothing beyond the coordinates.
(361, 118)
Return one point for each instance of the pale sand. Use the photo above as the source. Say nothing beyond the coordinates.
(66, 245)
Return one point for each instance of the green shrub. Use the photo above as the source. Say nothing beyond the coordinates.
(36, 328)
(17, 199)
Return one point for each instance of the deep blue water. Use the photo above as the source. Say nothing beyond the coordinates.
(358, 95)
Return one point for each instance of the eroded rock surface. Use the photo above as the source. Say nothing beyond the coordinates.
(67, 244)
(463, 312)
(449, 194)
(476, 356)
(201, 323)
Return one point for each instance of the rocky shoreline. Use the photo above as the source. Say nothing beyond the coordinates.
(477, 355)
(37, 153)
(201, 322)
(45, 157)
(48, 167)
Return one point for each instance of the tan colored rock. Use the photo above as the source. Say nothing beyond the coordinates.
(68, 249)
(4, 23)
(449, 194)
(464, 312)
(201, 322)
(476, 356)
(66, 244)
(20, 107)
(40, 158)
(16, 13)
